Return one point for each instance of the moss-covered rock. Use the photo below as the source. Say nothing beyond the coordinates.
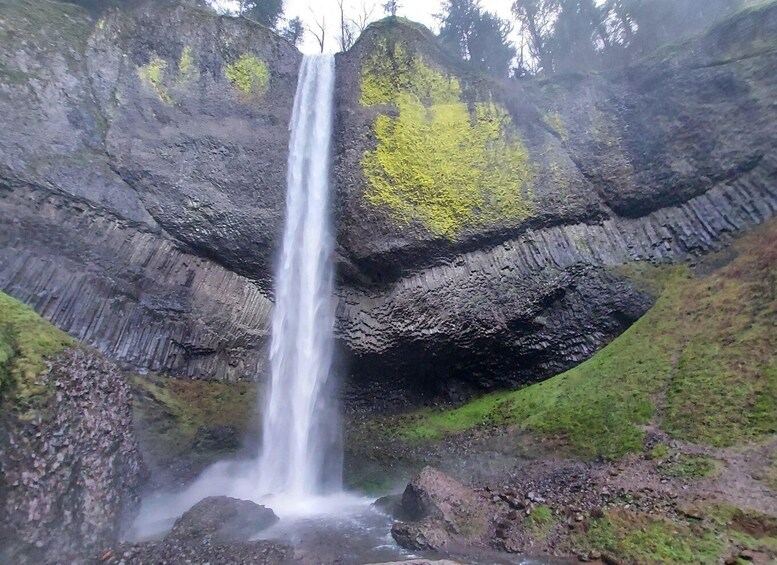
(438, 160)
(183, 425)
(27, 342)
(249, 75)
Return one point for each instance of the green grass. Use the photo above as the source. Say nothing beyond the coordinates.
(540, 521)
(634, 538)
(745, 529)
(690, 467)
(26, 342)
(709, 343)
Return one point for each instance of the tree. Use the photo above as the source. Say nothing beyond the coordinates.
(293, 31)
(477, 36)
(536, 19)
(266, 12)
(489, 45)
(318, 30)
(365, 16)
(391, 7)
(578, 36)
(347, 29)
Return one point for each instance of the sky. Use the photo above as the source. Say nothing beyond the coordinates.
(418, 10)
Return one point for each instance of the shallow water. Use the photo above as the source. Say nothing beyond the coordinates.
(344, 528)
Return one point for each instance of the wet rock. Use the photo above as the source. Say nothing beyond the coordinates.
(221, 519)
(420, 536)
(522, 299)
(436, 509)
(391, 504)
(216, 438)
(419, 562)
(174, 552)
(157, 252)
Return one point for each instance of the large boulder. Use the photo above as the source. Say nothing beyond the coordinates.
(217, 529)
(437, 511)
(221, 519)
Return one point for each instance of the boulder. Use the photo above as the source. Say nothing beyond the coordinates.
(221, 519)
(437, 509)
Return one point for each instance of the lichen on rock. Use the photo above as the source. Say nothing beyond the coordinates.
(439, 161)
(153, 74)
(187, 70)
(249, 75)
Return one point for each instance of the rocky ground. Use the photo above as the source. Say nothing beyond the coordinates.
(676, 502)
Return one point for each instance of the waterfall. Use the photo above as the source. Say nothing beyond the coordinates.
(301, 453)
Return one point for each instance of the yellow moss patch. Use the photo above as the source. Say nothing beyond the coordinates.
(153, 74)
(556, 123)
(249, 75)
(187, 70)
(440, 162)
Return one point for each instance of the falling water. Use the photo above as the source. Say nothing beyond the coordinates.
(301, 453)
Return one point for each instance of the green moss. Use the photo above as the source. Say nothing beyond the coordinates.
(708, 343)
(660, 451)
(634, 538)
(745, 529)
(555, 121)
(153, 75)
(26, 341)
(690, 467)
(187, 70)
(249, 75)
(540, 521)
(438, 161)
(168, 412)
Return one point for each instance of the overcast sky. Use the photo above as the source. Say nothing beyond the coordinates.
(418, 10)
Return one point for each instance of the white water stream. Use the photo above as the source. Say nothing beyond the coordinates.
(301, 451)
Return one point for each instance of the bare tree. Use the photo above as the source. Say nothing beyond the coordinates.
(536, 19)
(318, 29)
(364, 17)
(347, 29)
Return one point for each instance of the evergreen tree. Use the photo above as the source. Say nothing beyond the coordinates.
(293, 31)
(477, 36)
(266, 12)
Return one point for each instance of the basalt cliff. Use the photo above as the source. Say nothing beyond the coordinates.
(486, 229)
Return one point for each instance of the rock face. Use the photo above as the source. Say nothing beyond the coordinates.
(658, 163)
(142, 181)
(70, 469)
(142, 175)
(438, 511)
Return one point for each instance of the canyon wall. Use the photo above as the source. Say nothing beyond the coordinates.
(142, 179)
(485, 228)
(509, 274)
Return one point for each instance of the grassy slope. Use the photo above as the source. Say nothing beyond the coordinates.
(702, 363)
(26, 341)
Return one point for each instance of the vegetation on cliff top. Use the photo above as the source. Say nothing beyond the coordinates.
(26, 341)
(438, 161)
(701, 364)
